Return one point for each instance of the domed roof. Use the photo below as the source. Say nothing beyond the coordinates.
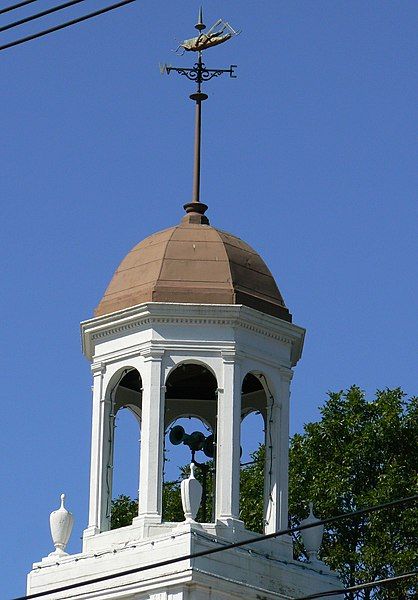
(193, 262)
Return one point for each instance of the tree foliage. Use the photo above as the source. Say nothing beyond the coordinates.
(359, 454)
(252, 492)
(124, 509)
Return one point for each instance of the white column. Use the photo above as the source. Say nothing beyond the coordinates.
(283, 511)
(152, 441)
(228, 442)
(99, 454)
(277, 454)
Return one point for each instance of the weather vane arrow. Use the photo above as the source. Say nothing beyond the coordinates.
(219, 33)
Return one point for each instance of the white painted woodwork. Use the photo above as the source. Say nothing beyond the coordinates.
(152, 437)
(228, 441)
(154, 338)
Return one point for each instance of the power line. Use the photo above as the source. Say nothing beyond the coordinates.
(268, 536)
(67, 24)
(18, 5)
(361, 586)
(38, 15)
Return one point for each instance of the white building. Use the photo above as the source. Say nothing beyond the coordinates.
(192, 323)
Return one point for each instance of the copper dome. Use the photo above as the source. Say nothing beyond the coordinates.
(196, 263)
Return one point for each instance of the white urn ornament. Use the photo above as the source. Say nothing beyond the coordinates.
(61, 523)
(312, 537)
(191, 496)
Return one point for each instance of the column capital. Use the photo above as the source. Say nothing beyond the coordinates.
(286, 374)
(152, 354)
(231, 356)
(98, 368)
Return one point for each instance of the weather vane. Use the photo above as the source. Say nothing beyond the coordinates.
(220, 32)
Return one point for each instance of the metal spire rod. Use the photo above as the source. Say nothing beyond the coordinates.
(219, 33)
(199, 98)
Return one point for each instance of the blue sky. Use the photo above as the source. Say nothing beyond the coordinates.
(310, 156)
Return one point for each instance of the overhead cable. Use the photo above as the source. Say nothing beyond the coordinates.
(361, 586)
(18, 5)
(38, 15)
(66, 24)
(222, 548)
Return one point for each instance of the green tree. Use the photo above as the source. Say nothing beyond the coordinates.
(252, 492)
(360, 454)
(124, 509)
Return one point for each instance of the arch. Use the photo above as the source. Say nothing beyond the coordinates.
(263, 378)
(116, 378)
(191, 392)
(253, 394)
(190, 361)
(206, 423)
(123, 391)
(255, 398)
(252, 434)
(126, 455)
(252, 495)
(129, 392)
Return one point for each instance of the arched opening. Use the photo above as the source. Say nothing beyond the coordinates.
(190, 425)
(254, 415)
(125, 425)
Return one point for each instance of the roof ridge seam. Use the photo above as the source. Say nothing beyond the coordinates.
(119, 270)
(263, 295)
(227, 261)
(268, 274)
(164, 253)
(132, 287)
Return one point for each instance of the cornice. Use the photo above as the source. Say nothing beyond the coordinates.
(204, 315)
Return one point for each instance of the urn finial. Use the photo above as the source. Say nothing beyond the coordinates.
(191, 495)
(61, 523)
(312, 537)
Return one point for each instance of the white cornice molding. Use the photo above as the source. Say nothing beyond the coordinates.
(228, 315)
